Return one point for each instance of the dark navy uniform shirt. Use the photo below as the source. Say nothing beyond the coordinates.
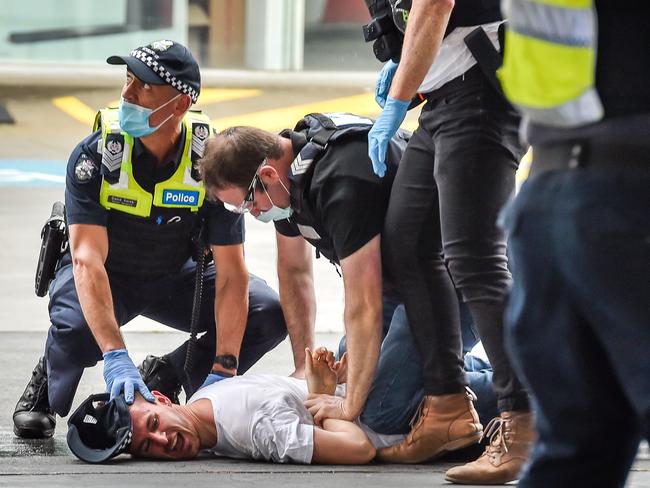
(83, 183)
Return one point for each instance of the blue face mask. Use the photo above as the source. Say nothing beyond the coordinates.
(275, 212)
(134, 119)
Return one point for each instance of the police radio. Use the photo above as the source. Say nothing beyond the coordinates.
(387, 27)
(54, 243)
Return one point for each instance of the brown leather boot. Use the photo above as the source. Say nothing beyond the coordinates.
(511, 434)
(444, 423)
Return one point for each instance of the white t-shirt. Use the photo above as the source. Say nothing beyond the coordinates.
(454, 58)
(263, 417)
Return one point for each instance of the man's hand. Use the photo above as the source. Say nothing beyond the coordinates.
(341, 368)
(213, 378)
(319, 368)
(384, 129)
(383, 82)
(120, 373)
(323, 407)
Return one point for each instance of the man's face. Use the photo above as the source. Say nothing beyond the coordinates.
(150, 96)
(162, 430)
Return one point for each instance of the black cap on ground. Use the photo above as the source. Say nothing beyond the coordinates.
(164, 62)
(100, 429)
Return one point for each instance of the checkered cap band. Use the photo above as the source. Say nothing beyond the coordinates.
(160, 70)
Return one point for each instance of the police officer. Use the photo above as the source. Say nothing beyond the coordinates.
(312, 182)
(580, 235)
(441, 233)
(133, 199)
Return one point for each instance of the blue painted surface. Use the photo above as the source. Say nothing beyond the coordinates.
(32, 172)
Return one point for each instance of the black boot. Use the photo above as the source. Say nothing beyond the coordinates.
(33, 417)
(158, 374)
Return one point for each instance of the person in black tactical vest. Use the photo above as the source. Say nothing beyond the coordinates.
(317, 185)
(441, 234)
(133, 202)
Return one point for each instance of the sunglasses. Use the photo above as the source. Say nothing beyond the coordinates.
(249, 199)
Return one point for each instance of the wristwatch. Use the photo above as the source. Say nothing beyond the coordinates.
(226, 361)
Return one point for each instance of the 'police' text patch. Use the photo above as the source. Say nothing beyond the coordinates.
(180, 197)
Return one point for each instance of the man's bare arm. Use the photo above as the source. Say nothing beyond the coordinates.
(89, 248)
(231, 300)
(297, 296)
(363, 316)
(341, 442)
(425, 30)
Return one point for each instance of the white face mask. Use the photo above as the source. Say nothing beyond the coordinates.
(275, 212)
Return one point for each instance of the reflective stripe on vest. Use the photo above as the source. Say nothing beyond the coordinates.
(181, 190)
(549, 66)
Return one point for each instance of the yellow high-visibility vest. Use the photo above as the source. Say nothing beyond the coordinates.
(181, 190)
(549, 66)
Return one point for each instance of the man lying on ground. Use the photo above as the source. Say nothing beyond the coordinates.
(258, 417)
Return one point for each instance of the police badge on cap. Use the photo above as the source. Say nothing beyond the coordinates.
(100, 429)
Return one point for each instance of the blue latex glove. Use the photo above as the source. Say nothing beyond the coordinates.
(120, 373)
(384, 129)
(213, 378)
(383, 82)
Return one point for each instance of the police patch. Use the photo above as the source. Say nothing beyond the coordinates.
(84, 169)
(201, 131)
(114, 146)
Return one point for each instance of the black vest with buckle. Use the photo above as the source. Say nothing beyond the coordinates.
(321, 130)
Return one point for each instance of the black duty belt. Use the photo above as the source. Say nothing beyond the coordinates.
(589, 154)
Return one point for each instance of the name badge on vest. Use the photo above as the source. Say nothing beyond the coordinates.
(180, 197)
(308, 232)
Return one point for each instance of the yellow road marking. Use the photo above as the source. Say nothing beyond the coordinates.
(214, 95)
(282, 118)
(272, 119)
(76, 109)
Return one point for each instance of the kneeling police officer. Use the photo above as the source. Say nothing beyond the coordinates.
(133, 201)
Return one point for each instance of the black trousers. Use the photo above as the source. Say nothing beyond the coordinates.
(441, 236)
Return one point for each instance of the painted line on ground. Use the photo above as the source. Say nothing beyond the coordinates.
(81, 112)
(28, 173)
(271, 119)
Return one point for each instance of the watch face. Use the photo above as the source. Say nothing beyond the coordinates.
(228, 361)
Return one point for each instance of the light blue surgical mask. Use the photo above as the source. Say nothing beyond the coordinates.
(275, 212)
(134, 119)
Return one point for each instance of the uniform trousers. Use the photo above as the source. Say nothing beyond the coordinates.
(71, 347)
(578, 320)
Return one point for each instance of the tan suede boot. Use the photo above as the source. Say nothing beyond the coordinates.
(511, 434)
(444, 423)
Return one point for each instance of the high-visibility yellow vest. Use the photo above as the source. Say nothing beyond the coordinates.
(181, 190)
(549, 66)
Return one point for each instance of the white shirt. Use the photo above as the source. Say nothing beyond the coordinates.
(263, 417)
(454, 58)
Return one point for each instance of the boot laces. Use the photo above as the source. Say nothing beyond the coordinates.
(418, 416)
(496, 431)
(36, 391)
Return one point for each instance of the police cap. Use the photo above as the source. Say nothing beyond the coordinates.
(164, 62)
(100, 429)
